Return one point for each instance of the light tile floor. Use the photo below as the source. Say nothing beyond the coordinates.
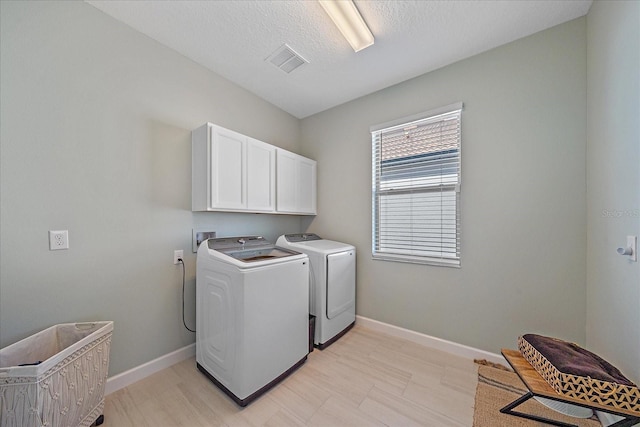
(364, 379)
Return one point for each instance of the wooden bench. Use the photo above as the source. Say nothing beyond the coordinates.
(537, 386)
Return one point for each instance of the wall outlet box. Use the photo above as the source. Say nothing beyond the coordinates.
(58, 239)
(199, 236)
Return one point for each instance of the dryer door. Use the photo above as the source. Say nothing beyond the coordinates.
(341, 282)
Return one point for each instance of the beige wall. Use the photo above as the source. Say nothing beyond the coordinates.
(523, 194)
(613, 181)
(96, 124)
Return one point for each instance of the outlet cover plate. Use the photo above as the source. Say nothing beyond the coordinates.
(58, 239)
(632, 242)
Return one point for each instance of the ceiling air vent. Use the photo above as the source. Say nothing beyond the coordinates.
(286, 59)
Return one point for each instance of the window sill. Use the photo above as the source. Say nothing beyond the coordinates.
(439, 262)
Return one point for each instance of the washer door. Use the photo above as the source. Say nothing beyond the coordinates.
(341, 282)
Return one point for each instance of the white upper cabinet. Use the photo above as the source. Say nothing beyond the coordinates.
(296, 183)
(233, 172)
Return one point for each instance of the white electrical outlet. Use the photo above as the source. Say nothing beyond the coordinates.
(58, 239)
(176, 256)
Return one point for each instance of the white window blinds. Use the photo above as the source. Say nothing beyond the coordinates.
(416, 187)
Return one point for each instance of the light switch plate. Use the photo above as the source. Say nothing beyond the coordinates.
(632, 242)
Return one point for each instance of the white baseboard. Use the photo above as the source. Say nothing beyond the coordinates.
(429, 341)
(129, 377)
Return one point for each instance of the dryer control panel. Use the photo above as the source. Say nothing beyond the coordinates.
(301, 237)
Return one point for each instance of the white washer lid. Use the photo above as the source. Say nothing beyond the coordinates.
(320, 245)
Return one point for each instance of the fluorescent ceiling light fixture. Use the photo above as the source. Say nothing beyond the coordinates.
(349, 21)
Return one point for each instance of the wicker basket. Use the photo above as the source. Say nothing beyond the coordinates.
(62, 378)
(620, 396)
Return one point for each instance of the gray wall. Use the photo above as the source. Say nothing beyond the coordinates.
(523, 195)
(613, 182)
(95, 138)
(95, 124)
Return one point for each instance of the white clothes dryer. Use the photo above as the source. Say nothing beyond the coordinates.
(332, 284)
(252, 314)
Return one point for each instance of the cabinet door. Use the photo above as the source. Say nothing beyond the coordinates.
(296, 183)
(228, 165)
(306, 174)
(286, 181)
(261, 176)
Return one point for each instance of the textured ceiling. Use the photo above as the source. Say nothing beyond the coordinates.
(233, 38)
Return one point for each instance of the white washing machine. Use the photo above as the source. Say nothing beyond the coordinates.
(332, 284)
(252, 314)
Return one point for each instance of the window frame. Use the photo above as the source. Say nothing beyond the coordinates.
(422, 189)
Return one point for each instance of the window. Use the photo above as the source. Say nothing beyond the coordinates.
(416, 187)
